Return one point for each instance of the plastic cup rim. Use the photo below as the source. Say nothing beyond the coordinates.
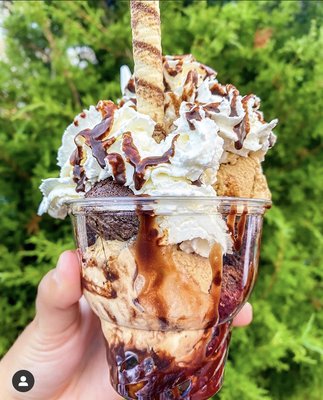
(212, 200)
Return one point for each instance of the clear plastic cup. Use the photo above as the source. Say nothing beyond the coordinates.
(166, 311)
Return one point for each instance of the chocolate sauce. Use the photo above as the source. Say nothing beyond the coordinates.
(145, 374)
(159, 133)
(237, 237)
(79, 176)
(173, 71)
(152, 265)
(211, 108)
(218, 89)
(106, 108)
(118, 167)
(97, 139)
(197, 182)
(243, 128)
(175, 101)
(209, 71)
(131, 85)
(109, 314)
(110, 276)
(215, 259)
(260, 117)
(233, 104)
(193, 114)
(107, 291)
(241, 230)
(190, 85)
(238, 268)
(140, 165)
(231, 219)
(271, 140)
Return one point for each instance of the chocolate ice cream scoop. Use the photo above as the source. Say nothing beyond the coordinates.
(109, 188)
(110, 226)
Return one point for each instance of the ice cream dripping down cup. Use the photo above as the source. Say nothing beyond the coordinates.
(166, 305)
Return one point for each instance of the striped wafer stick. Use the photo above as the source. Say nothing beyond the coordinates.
(147, 54)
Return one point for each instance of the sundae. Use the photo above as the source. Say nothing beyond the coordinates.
(167, 195)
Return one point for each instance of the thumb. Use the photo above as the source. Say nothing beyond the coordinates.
(57, 303)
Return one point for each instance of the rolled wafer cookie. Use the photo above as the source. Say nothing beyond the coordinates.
(147, 54)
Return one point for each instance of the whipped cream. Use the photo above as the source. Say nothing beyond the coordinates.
(207, 123)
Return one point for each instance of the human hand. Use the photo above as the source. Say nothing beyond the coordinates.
(63, 347)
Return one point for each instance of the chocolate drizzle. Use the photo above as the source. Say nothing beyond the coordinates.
(173, 71)
(233, 104)
(237, 237)
(151, 264)
(215, 259)
(133, 157)
(243, 128)
(193, 114)
(97, 139)
(271, 140)
(118, 167)
(211, 108)
(218, 89)
(77, 158)
(208, 70)
(157, 269)
(131, 86)
(106, 108)
(190, 85)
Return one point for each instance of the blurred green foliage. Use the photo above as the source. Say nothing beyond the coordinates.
(272, 48)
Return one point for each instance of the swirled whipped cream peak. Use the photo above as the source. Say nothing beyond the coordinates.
(214, 142)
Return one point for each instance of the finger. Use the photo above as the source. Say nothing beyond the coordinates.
(58, 295)
(244, 317)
